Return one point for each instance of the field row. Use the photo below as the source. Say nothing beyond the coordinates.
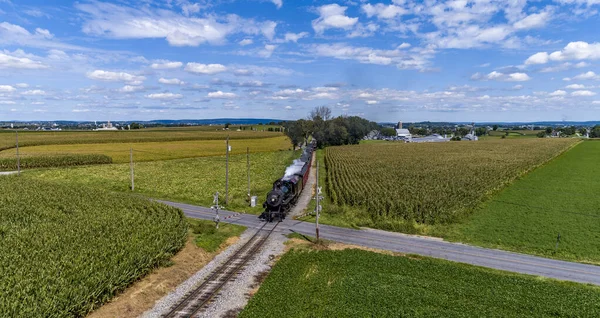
(48, 161)
(155, 151)
(34, 138)
(66, 250)
(430, 183)
(355, 283)
(193, 180)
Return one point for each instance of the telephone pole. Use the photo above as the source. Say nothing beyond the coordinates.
(131, 168)
(227, 172)
(318, 207)
(248, 168)
(18, 157)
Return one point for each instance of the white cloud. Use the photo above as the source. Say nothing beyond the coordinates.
(22, 85)
(7, 102)
(277, 3)
(171, 81)
(583, 93)
(534, 20)
(34, 92)
(19, 60)
(498, 76)
(131, 88)
(587, 76)
(109, 76)
(518, 77)
(164, 96)
(207, 69)
(537, 58)
(245, 42)
(371, 102)
(558, 93)
(121, 22)
(404, 45)
(332, 16)
(288, 107)
(294, 37)
(573, 51)
(7, 89)
(12, 34)
(220, 94)
(267, 51)
(383, 11)
(400, 58)
(164, 64)
(38, 103)
(575, 86)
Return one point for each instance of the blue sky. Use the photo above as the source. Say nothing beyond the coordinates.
(481, 60)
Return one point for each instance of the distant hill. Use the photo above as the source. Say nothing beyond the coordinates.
(168, 122)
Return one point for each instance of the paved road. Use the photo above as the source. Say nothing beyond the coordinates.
(432, 247)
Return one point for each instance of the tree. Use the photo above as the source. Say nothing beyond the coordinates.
(595, 132)
(307, 128)
(495, 127)
(387, 131)
(227, 125)
(322, 112)
(549, 130)
(135, 126)
(480, 131)
(462, 131)
(541, 134)
(294, 131)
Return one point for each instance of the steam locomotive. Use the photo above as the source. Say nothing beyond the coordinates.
(286, 190)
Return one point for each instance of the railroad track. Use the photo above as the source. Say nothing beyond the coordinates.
(198, 299)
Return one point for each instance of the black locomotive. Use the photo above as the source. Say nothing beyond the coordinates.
(286, 190)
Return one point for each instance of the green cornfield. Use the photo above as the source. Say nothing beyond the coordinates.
(66, 250)
(429, 183)
(51, 161)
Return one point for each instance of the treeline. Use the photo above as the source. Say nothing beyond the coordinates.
(327, 130)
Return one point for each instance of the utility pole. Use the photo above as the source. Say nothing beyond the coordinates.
(248, 168)
(227, 172)
(216, 207)
(131, 168)
(318, 207)
(18, 157)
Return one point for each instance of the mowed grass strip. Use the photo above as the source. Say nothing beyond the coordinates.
(406, 187)
(154, 151)
(558, 198)
(356, 283)
(34, 138)
(192, 180)
(64, 250)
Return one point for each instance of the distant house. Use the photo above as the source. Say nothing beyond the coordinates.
(403, 133)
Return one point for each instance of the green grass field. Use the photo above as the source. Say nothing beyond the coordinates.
(193, 180)
(560, 197)
(356, 283)
(208, 237)
(66, 250)
(33, 138)
(156, 151)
